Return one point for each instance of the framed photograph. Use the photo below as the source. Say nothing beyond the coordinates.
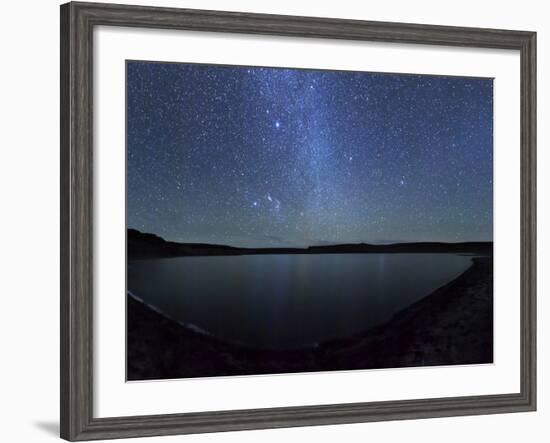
(272, 221)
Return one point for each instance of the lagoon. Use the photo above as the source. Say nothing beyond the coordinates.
(289, 301)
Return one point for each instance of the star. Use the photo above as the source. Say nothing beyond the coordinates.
(234, 155)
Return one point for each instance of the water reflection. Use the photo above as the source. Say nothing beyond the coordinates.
(286, 301)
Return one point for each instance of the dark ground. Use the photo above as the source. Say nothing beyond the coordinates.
(453, 325)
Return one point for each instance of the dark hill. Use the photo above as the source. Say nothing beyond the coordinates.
(144, 245)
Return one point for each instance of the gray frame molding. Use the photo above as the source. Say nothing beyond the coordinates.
(77, 23)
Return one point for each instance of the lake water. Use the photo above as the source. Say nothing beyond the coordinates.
(289, 301)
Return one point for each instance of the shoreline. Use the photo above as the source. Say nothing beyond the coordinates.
(451, 325)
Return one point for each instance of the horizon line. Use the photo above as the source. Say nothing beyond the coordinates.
(327, 244)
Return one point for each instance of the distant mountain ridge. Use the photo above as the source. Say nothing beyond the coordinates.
(145, 245)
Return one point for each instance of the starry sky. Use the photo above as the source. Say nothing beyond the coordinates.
(271, 157)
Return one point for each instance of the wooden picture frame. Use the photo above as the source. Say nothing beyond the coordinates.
(77, 23)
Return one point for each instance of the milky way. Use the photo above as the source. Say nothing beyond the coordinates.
(252, 156)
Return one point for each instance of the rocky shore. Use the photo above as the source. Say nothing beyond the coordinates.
(452, 325)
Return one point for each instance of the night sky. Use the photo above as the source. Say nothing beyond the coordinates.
(250, 156)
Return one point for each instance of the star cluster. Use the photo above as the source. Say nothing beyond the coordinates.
(254, 156)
